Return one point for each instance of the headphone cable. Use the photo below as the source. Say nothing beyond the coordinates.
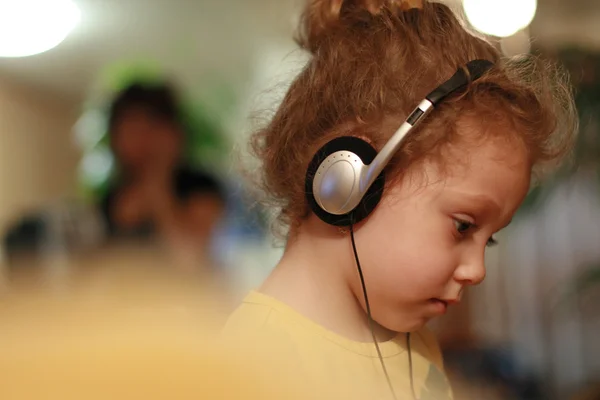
(370, 318)
(410, 366)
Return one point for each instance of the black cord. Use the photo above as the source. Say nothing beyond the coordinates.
(370, 318)
(410, 366)
(364, 288)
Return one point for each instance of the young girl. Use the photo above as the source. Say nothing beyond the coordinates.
(353, 272)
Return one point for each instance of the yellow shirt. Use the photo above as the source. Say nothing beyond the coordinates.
(325, 365)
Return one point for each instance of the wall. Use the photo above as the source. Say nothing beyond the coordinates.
(526, 300)
(38, 158)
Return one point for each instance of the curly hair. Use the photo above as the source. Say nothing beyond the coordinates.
(371, 62)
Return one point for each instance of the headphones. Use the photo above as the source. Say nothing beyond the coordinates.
(345, 179)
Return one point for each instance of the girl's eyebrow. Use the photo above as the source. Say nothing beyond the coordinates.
(483, 201)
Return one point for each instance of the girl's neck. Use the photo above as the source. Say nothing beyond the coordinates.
(313, 278)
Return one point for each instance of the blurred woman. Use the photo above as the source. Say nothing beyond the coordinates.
(155, 195)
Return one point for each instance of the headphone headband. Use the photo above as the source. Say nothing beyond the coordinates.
(338, 179)
(458, 81)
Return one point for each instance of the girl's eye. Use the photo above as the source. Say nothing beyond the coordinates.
(491, 242)
(462, 226)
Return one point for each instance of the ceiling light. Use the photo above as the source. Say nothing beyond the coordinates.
(29, 27)
(500, 17)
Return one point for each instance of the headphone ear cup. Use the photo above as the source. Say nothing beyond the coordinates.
(367, 154)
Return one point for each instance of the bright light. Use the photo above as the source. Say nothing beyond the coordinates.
(500, 17)
(517, 44)
(29, 27)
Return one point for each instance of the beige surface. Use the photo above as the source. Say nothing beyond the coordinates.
(120, 335)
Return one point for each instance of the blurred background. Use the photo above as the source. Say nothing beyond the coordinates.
(123, 125)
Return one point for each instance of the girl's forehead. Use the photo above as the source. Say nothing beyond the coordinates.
(494, 155)
(498, 171)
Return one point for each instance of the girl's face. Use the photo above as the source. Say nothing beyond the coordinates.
(425, 242)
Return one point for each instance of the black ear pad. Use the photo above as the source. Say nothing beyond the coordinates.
(366, 153)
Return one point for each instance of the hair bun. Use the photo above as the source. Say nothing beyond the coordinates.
(406, 5)
(323, 18)
(318, 19)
